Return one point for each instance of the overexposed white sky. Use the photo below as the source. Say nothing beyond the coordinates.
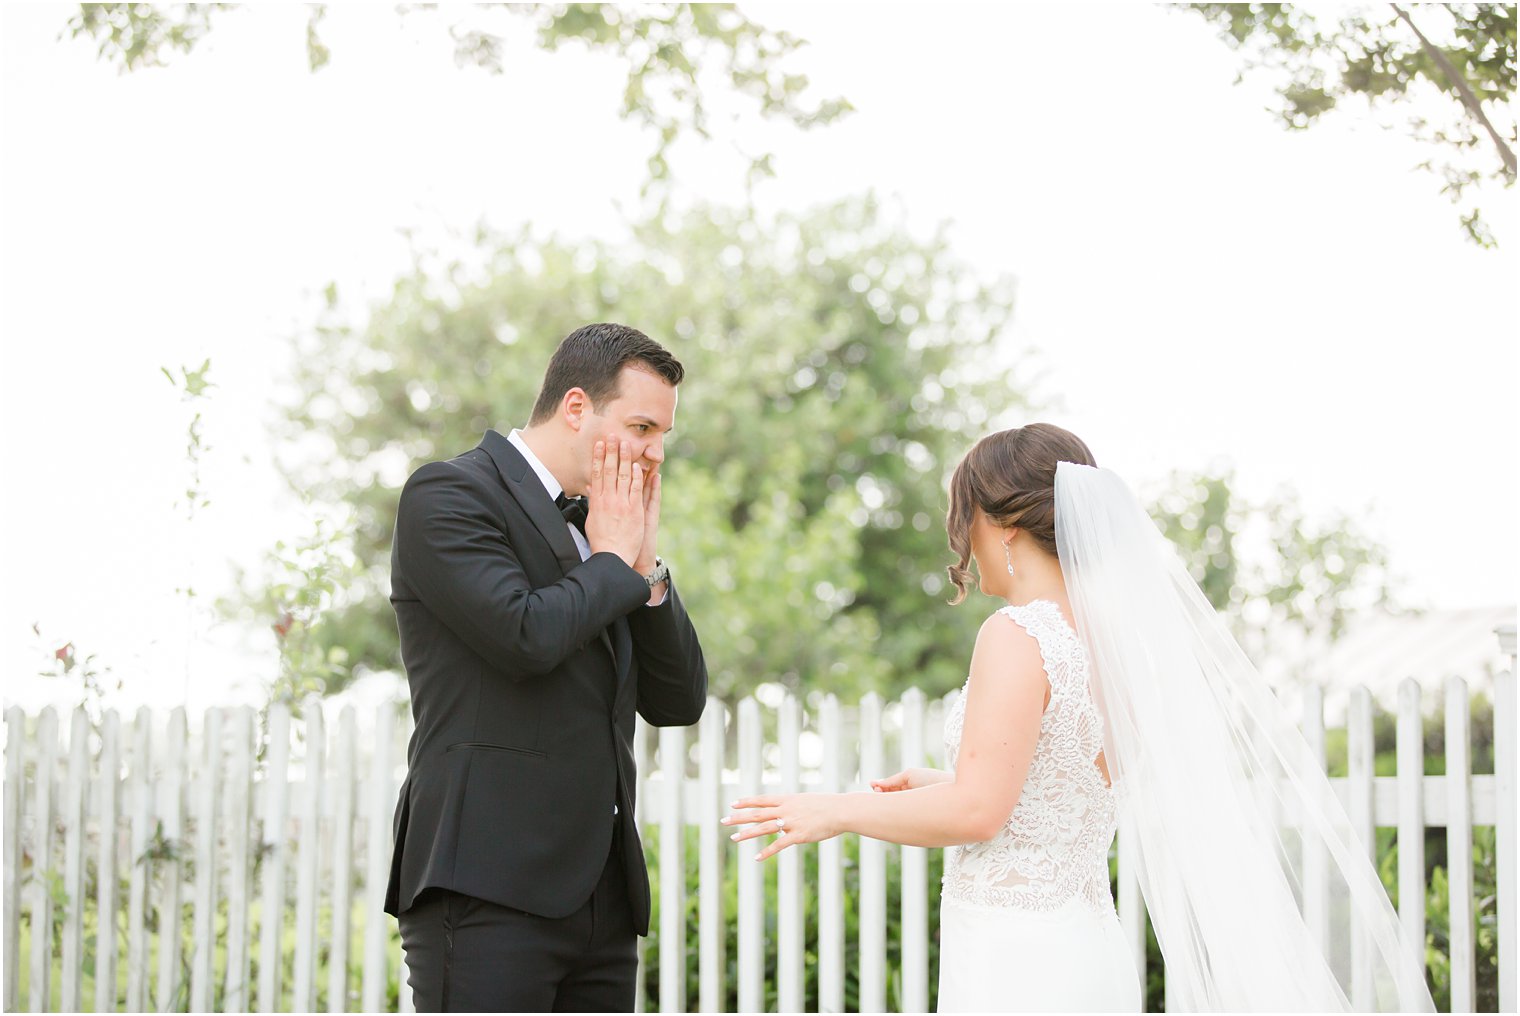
(1195, 284)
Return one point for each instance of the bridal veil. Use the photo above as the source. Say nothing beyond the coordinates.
(1261, 894)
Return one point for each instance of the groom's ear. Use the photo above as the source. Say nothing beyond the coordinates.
(573, 407)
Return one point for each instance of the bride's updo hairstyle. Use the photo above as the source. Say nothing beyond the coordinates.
(1011, 477)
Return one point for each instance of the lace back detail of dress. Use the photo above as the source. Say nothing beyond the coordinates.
(1054, 846)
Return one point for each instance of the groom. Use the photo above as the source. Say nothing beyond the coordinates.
(534, 621)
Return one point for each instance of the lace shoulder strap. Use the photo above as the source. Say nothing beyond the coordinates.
(1059, 649)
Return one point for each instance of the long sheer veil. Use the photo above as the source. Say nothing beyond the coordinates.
(1238, 833)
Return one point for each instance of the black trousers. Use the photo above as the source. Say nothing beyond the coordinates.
(468, 955)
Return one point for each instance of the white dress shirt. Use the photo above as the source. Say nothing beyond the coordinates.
(552, 486)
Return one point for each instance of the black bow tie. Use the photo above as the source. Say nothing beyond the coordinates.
(573, 509)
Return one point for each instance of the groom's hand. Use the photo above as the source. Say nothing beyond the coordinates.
(615, 502)
(647, 554)
(648, 559)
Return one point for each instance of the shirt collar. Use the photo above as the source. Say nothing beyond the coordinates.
(544, 476)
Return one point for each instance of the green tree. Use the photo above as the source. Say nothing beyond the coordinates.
(294, 594)
(840, 368)
(837, 369)
(672, 54)
(1394, 58)
(1312, 573)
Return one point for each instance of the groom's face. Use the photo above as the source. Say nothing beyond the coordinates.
(643, 414)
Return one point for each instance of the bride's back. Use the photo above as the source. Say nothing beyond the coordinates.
(1054, 847)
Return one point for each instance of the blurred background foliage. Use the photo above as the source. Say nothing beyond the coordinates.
(837, 370)
(673, 55)
(839, 366)
(1442, 74)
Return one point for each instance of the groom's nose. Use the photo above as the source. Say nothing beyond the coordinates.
(654, 451)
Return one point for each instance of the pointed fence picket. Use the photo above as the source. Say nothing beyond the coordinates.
(379, 799)
(170, 866)
(1459, 850)
(831, 918)
(237, 839)
(672, 858)
(750, 885)
(1505, 847)
(1359, 761)
(1410, 750)
(711, 923)
(191, 846)
(915, 874)
(15, 721)
(640, 762)
(341, 814)
(273, 848)
(203, 910)
(41, 909)
(139, 798)
(308, 858)
(789, 915)
(108, 845)
(73, 860)
(873, 871)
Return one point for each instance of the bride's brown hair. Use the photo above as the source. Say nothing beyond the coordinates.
(1011, 477)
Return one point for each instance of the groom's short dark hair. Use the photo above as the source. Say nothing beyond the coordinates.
(592, 357)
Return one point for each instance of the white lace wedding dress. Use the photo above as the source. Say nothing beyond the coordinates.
(1027, 921)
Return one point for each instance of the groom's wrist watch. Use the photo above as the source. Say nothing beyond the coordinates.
(660, 574)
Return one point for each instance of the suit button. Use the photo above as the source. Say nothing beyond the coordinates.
(614, 809)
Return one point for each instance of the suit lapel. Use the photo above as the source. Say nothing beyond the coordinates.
(529, 493)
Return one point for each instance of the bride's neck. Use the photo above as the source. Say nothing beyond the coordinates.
(1036, 577)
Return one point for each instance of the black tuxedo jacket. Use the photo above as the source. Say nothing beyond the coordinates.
(526, 665)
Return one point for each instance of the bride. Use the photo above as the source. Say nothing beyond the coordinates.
(1107, 691)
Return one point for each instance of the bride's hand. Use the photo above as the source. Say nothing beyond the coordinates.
(911, 779)
(791, 818)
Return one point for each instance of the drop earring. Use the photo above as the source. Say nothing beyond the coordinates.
(1008, 556)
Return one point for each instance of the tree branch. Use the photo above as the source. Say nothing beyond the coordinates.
(1469, 100)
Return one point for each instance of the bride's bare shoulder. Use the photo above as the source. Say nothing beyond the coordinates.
(1004, 646)
(1007, 672)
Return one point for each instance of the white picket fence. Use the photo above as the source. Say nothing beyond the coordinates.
(185, 821)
